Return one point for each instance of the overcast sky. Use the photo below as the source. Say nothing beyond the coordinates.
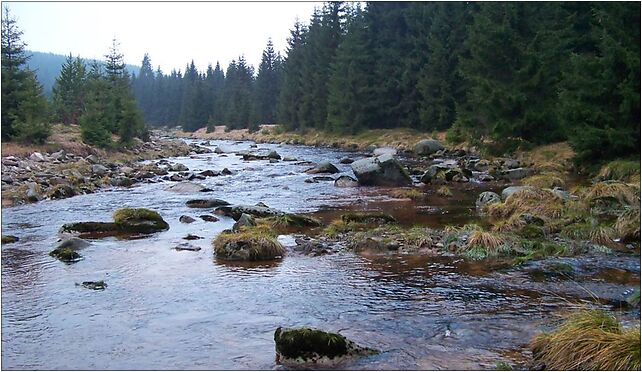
(172, 33)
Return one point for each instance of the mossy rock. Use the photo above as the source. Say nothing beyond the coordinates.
(139, 220)
(247, 245)
(96, 286)
(313, 346)
(89, 227)
(295, 220)
(205, 203)
(367, 218)
(66, 255)
(7, 239)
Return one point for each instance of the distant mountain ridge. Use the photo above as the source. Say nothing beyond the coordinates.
(47, 67)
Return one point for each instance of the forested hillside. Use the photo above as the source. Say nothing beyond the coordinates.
(501, 75)
(523, 73)
(47, 68)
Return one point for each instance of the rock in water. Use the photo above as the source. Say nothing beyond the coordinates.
(186, 219)
(7, 239)
(73, 243)
(382, 170)
(323, 167)
(244, 220)
(298, 347)
(346, 181)
(139, 220)
(427, 147)
(205, 203)
(247, 246)
(186, 188)
(384, 150)
(96, 286)
(66, 255)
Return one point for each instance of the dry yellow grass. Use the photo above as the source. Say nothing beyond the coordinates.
(554, 157)
(487, 240)
(444, 191)
(622, 192)
(540, 203)
(400, 138)
(545, 180)
(588, 340)
(413, 194)
(627, 226)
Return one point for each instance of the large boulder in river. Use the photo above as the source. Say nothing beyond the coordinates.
(382, 170)
(139, 220)
(323, 167)
(253, 210)
(126, 221)
(427, 147)
(300, 347)
(249, 245)
(186, 188)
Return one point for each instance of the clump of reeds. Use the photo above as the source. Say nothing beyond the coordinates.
(588, 340)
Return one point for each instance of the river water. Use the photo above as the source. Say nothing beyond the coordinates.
(167, 309)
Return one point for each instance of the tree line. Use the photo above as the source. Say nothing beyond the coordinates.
(508, 74)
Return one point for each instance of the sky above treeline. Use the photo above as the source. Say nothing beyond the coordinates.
(172, 33)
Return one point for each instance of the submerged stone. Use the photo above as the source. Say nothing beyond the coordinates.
(7, 239)
(96, 286)
(66, 255)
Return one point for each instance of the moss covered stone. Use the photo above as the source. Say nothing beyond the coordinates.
(89, 227)
(313, 346)
(6, 239)
(247, 245)
(307, 343)
(367, 218)
(65, 254)
(126, 220)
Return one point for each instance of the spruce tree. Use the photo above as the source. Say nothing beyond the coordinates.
(266, 88)
(292, 80)
(24, 107)
(69, 91)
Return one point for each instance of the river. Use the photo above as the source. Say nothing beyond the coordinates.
(168, 309)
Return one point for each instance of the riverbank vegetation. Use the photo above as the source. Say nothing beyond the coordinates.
(588, 340)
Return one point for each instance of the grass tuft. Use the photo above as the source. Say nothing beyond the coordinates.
(544, 181)
(248, 244)
(621, 170)
(627, 226)
(588, 340)
(622, 192)
(444, 191)
(412, 194)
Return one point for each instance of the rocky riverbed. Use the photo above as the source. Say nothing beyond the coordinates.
(390, 267)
